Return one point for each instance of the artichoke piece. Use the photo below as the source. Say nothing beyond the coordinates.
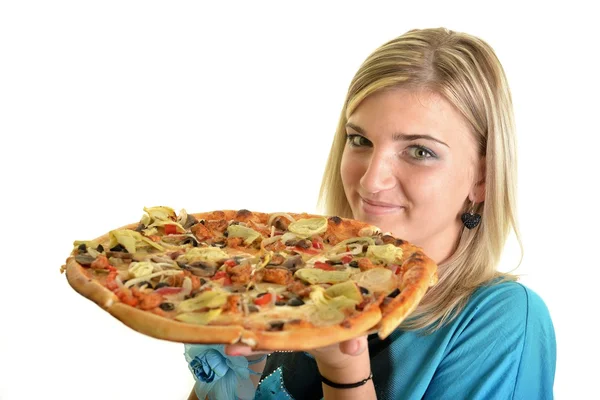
(248, 234)
(207, 254)
(376, 280)
(308, 227)
(199, 318)
(347, 289)
(315, 275)
(161, 213)
(207, 299)
(388, 253)
(131, 240)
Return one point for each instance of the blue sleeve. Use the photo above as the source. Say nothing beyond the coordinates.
(503, 348)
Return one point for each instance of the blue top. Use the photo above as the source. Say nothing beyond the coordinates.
(502, 346)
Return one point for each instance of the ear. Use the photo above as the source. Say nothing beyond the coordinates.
(477, 193)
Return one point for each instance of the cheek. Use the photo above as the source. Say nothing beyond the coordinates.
(349, 170)
(443, 190)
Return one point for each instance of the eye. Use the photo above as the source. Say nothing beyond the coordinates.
(419, 152)
(358, 140)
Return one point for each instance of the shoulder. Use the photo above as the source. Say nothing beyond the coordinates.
(507, 296)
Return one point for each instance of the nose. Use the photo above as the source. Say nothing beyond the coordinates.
(378, 175)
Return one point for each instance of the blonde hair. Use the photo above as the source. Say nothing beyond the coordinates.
(466, 72)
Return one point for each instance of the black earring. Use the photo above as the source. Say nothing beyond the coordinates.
(470, 219)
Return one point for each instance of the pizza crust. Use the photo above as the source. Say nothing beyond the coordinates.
(312, 337)
(420, 273)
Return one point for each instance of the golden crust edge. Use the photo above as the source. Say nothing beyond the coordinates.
(314, 337)
(411, 295)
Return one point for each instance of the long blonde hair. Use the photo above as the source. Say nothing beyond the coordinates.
(466, 72)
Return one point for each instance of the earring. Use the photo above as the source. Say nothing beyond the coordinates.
(470, 219)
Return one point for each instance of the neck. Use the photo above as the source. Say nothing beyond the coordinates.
(442, 246)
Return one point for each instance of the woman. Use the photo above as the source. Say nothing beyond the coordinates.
(425, 149)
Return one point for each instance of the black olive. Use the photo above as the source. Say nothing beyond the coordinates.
(167, 306)
(148, 284)
(336, 220)
(82, 247)
(261, 295)
(364, 290)
(280, 303)
(191, 240)
(202, 281)
(140, 227)
(353, 264)
(395, 293)
(100, 248)
(334, 262)
(276, 325)
(161, 284)
(253, 308)
(120, 248)
(226, 234)
(295, 302)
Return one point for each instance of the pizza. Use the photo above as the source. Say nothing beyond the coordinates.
(273, 281)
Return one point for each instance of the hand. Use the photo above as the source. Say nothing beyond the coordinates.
(334, 357)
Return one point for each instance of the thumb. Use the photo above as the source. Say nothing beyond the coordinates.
(354, 347)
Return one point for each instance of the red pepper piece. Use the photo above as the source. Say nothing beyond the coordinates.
(264, 299)
(324, 266)
(170, 229)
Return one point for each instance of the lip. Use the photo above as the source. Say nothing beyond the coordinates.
(378, 207)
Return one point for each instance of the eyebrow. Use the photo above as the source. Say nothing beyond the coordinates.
(397, 136)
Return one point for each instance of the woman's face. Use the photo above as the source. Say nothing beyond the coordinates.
(409, 165)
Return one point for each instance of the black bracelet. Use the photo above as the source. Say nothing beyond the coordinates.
(345, 385)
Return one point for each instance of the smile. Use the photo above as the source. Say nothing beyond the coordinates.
(378, 208)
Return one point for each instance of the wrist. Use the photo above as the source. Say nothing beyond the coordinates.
(354, 370)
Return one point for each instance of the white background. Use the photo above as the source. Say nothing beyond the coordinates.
(107, 107)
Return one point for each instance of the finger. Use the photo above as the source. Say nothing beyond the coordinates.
(241, 350)
(354, 347)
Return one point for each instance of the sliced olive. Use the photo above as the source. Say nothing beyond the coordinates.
(82, 247)
(100, 248)
(295, 302)
(395, 293)
(276, 326)
(364, 290)
(146, 283)
(261, 294)
(191, 240)
(336, 220)
(225, 233)
(120, 248)
(140, 227)
(353, 264)
(252, 308)
(280, 303)
(167, 306)
(161, 284)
